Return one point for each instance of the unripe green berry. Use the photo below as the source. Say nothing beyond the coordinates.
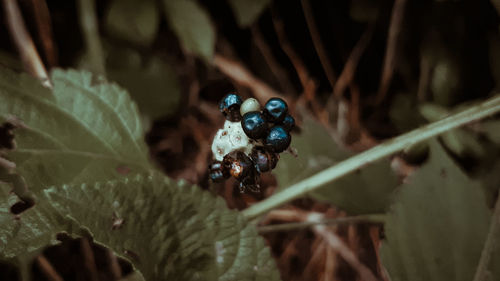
(249, 105)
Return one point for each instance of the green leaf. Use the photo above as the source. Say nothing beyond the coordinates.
(83, 131)
(461, 141)
(150, 81)
(446, 80)
(492, 130)
(247, 11)
(438, 224)
(176, 231)
(135, 276)
(192, 25)
(134, 21)
(404, 113)
(10, 60)
(367, 191)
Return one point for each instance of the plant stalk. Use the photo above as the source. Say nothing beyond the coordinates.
(373, 218)
(483, 270)
(89, 26)
(387, 148)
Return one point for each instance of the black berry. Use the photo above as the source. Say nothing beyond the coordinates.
(263, 159)
(278, 139)
(288, 123)
(249, 183)
(217, 171)
(7, 136)
(254, 125)
(275, 110)
(230, 107)
(239, 165)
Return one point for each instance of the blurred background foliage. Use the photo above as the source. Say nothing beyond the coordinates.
(354, 72)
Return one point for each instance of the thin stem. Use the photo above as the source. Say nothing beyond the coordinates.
(88, 23)
(22, 39)
(318, 43)
(482, 272)
(44, 26)
(375, 218)
(391, 51)
(266, 51)
(378, 152)
(242, 75)
(47, 269)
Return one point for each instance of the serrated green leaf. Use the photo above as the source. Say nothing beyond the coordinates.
(176, 231)
(367, 191)
(192, 25)
(438, 224)
(247, 11)
(134, 21)
(85, 129)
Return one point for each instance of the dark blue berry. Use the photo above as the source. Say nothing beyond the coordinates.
(275, 110)
(254, 125)
(288, 123)
(230, 107)
(217, 171)
(239, 165)
(278, 139)
(263, 159)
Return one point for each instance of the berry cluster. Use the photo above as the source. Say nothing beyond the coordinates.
(251, 140)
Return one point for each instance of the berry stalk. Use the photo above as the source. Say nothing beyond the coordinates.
(387, 148)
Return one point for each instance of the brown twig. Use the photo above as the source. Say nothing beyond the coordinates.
(296, 61)
(391, 49)
(328, 235)
(424, 79)
(47, 269)
(318, 254)
(317, 42)
(22, 39)
(341, 248)
(330, 264)
(347, 75)
(290, 249)
(114, 266)
(236, 71)
(375, 238)
(44, 26)
(212, 113)
(277, 70)
(88, 259)
(194, 84)
(354, 108)
(308, 84)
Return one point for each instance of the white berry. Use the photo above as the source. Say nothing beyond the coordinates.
(249, 105)
(230, 138)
